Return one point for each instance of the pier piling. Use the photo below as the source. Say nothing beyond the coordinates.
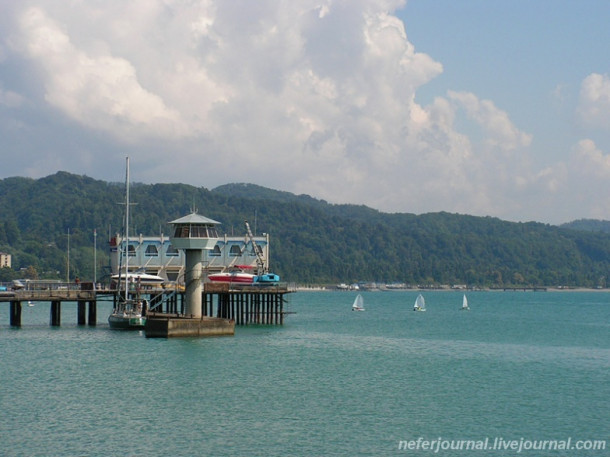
(81, 312)
(15, 314)
(92, 313)
(55, 313)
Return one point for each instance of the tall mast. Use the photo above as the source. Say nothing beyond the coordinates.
(127, 228)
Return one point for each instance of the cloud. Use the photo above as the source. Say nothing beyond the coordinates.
(590, 166)
(10, 99)
(500, 132)
(589, 160)
(314, 96)
(580, 181)
(594, 101)
(101, 91)
(311, 97)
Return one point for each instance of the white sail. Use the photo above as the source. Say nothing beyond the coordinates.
(465, 303)
(420, 303)
(358, 303)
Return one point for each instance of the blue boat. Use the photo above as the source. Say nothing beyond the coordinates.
(267, 279)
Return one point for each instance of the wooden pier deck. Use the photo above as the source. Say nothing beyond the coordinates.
(246, 305)
(86, 302)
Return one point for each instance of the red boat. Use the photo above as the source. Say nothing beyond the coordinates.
(235, 276)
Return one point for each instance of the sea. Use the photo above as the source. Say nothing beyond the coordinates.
(521, 373)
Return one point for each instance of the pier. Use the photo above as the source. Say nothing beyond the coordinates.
(83, 294)
(244, 305)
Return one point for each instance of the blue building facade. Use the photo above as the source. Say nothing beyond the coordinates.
(155, 255)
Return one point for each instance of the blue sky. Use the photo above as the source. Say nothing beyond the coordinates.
(529, 57)
(488, 107)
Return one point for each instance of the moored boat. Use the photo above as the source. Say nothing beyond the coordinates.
(127, 313)
(236, 276)
(267, 279)
(143, 279)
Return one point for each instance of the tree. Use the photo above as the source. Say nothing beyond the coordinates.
(31, 273)
(7, 274)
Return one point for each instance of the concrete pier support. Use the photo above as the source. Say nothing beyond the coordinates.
(92, 321)
(80, 312)
(15, 318)
(193, 276)
(55, 313)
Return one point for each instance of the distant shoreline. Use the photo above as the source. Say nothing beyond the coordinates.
(441, 289)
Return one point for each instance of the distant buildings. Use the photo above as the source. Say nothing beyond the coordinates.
(5, 260)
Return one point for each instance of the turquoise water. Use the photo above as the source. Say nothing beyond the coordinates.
(330, 382)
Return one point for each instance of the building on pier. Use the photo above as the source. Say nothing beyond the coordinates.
(156, 255)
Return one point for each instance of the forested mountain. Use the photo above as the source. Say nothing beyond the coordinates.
(311, 241)
(590, 225)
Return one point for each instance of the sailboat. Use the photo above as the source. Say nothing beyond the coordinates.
(127, 313)
(465, 306)
(358, 303)
(420, 303)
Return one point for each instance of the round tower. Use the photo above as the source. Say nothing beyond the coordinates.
(194, 234)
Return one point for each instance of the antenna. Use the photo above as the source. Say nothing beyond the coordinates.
(193, 207)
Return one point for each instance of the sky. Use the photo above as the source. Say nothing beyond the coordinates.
(485, 107)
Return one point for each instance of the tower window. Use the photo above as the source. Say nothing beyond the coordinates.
(152, 251)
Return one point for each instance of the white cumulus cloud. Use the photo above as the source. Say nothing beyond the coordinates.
(313, 96)
(594, 102)
(101, 91)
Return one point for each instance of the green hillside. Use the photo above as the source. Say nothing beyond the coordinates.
(311, 241)
(589, 225)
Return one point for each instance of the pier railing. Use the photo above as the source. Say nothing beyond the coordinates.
(54, 294)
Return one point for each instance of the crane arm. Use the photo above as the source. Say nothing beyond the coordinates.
(260, 262)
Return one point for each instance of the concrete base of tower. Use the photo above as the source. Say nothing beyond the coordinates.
(169, 326)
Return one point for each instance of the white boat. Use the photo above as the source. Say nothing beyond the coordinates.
(137, 278)
(420, 303)
(358, 303)
(465, 306)
(127, 313)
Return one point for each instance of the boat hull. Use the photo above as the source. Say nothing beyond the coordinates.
(240, 278)
(137, 278)
(126, 321)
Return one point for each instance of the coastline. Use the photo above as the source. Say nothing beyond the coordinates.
(449, 289)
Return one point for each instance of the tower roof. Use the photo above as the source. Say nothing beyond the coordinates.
(195, 218)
